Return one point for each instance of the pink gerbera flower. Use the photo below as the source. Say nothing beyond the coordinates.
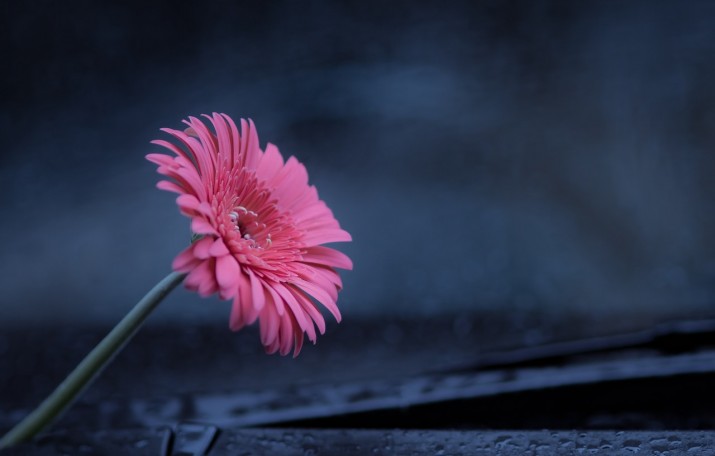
(262, 227)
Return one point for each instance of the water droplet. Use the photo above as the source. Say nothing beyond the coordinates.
(632, 445)
(674, 441)
(660, 444)
(502, 441)
(605, 445)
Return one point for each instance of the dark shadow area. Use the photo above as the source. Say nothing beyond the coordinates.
(625, 405)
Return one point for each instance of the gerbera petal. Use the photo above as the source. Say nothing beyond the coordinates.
(198, 275)
(251, 151)
(271, 162)
(314, 212)
(291, 183)
(201, 226)
(250, 314)
(263, 227)
(218, 248)
(273, 347)
(236, 320)
(297, 311)
(328, 257)
(193, 181)
(269, 324)
(257, 295)
(330, 275)
(184, 260)
(298, 342)
(222, 134)
(199, 151)
(319, 223)
(167, 145)
(287, 331)
(277, 300)
(312, 275)
(160, 159)
(310, 308)
(209, 146)
(321, 295)
(235, 139)
(170, 186)
(227, 272)
(208, 286)
(201, 248)
(317, 237)
(188, 204)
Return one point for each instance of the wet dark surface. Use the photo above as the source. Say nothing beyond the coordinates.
(472, 374)
(176, 360)
(314, 442)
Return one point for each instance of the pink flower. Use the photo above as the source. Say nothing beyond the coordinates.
(262, 228)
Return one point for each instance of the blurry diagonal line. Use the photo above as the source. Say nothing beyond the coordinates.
(262, 408)
(672, 337)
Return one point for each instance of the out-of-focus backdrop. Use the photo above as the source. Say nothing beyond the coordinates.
(525, 156)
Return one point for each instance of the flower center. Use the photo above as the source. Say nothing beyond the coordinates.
(249, 228)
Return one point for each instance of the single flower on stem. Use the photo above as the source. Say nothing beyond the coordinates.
(262, 227)
(258, 234)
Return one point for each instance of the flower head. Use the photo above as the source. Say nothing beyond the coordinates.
(261, 228)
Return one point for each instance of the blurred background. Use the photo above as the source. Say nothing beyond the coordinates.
(514, 157)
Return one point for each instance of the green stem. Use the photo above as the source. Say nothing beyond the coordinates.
(91, 365)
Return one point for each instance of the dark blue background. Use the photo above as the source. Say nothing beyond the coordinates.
(536, 157)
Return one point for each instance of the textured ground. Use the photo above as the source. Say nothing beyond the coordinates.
(418, 375)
